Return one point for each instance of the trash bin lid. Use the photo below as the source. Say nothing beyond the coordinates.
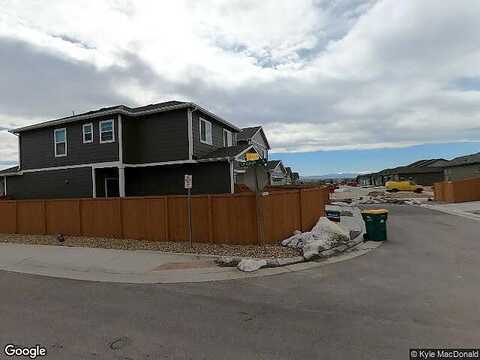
(375, 211)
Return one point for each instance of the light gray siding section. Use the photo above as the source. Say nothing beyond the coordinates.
(260, 145)
(462, 172)
(156, 138)
(53, 184)
(200, 149)
(37, 146)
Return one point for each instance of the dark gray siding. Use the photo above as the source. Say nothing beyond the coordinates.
(426, 179)
(156, 138)
(462, 172)
(54, 184)
(37, 146)
(208, 178)
(199, 148)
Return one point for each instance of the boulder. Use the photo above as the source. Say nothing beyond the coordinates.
(249, 265)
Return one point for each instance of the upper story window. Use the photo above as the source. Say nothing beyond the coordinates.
(107, 134)
(227, 138)
(60, 136)
(87, 133)
(206, 132)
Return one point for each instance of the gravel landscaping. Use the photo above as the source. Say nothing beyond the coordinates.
(268, 251)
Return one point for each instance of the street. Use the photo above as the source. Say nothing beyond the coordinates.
(419, 289)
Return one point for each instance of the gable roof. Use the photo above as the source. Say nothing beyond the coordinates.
(289, 170)
(9, 171)
(272, 164)
(125, 110)
(429, 162)
(228, 152)
(464, 160)
(246, 134)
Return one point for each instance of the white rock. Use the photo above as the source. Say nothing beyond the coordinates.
(249, 265)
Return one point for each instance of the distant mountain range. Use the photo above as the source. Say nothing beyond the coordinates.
(330, 176)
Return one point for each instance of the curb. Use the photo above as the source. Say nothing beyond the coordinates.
(227, 261)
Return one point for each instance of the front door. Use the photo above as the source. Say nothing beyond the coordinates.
(111, 187)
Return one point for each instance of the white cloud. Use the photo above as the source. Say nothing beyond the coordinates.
(318, 74)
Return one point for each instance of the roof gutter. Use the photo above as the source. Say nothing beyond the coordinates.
(122, 112)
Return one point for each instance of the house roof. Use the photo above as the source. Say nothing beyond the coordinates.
(429, 162)
(227, 152)
(272, 164)
(10, 170)
(289, 170)
(464, 160)
(248, 133)
(125, 110)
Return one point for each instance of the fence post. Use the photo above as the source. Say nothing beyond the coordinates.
(120, 204)
(300, 201)
(80, 215)
(16, 218)
(45, 219)
(167, 219)
(210, 219)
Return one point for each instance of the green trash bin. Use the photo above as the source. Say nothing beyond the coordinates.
(376, 224)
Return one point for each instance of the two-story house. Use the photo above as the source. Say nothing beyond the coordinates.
(124, 151)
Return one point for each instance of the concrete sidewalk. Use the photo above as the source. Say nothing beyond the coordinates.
(125, 266)
(469, 210)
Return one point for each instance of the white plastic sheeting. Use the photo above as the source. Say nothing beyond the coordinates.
(325, 235)
(249, 265)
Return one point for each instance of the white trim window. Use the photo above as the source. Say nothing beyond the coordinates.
(60, 139)
(227, 138)
(205, 132)
(87, 130)
(107, 131)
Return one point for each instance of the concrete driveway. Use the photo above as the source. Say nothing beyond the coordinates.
(421, 289)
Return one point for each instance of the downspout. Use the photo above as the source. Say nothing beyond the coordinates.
(190, 131)
(232, 178)
(121, 166)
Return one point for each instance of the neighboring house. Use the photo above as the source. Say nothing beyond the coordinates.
(289, 175)
(123, 151)
(255, 136)
(277, 173)
(295, 177)
(422, 172)
(255, 178)
(463, 167)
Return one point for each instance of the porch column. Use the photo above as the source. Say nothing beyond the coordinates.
(121, 181)
(94, 183)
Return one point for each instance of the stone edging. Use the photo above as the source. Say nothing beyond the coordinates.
(228, 261)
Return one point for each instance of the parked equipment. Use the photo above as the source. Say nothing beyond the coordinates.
(394, 186)
(376, 224)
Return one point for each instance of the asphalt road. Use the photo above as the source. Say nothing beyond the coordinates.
(421, 288)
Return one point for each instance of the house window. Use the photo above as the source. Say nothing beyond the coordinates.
(87, 133)
(60, 136)
(227, 138)
(106, 132)
(206, 132)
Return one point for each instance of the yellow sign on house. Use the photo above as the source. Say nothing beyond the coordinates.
(252, 157)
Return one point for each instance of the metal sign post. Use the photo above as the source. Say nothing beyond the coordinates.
(188, 186)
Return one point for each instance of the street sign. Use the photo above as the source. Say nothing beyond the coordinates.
(188, 181)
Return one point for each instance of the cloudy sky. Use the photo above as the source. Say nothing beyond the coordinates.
(324, 77)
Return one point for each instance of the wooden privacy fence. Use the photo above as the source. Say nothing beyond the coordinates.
(457, 191)
(222, 219)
